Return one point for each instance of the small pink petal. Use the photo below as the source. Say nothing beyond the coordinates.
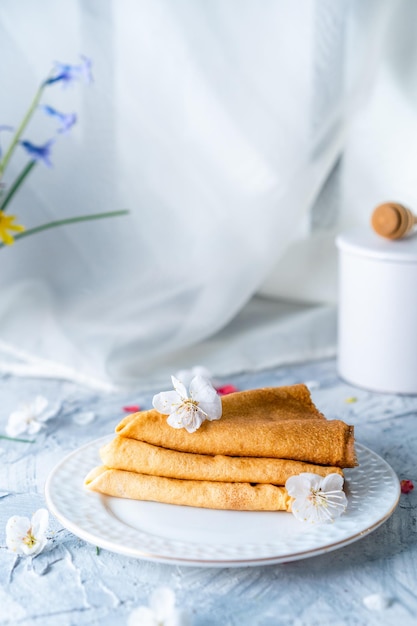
(406, 486)
(224, 390)
(134, 408)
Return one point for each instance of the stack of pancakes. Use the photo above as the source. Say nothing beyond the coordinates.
(239, 462)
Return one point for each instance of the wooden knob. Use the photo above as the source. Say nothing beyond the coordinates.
(392, 220)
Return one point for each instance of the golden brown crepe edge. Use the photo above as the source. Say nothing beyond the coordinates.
(293, 390)
(203, 494)
(137, 456)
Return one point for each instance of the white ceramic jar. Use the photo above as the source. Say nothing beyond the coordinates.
(377, 316)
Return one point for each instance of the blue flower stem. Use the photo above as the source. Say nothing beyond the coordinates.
(69, 220)
(15, 186)
(19, 132)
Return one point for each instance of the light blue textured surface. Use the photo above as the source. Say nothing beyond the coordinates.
(70, 584)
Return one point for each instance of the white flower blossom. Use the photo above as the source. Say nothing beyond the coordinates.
(27, 536)
(189, 412)
(316, 499)
(29, 418)
(186, 375)
(160, 612)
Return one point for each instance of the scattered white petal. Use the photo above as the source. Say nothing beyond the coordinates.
(189, 411)
(27, 536)
(142, 616)
(84, 418)
(30, 418)
(316, 499)
(162, 602)
(312, 384)
(377, 602)
(160, 612)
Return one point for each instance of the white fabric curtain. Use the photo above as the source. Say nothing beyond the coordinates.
(241, 136)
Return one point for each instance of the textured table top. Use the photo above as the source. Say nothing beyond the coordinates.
(371, 581)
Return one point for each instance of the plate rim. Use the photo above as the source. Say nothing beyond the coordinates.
(109, 545)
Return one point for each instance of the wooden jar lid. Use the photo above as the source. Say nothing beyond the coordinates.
(392, 220)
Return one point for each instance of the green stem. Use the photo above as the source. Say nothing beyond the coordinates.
(69, 220)
(19, 180)
(21, 129)
(16, 439)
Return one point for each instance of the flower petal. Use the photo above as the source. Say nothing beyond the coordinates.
(332, 482)
(39, 153)
(224, 390)
(178, 617)
(175, 419)
(36, 548)
(27, 537)
(316, 481)
(6, 238)
(16, 529)
(207, 397)
(142, 616)
(17, 423)
(131, 408)
(39, 522)
(162, 602)
(298, 486)
(33, 427)
(49, 413)
(406, 485)
(316, 499)
(166, 402)
(38, 406)
(188, 417)
(186, 375)
(194, 421)
(200, 370)
(179, 388)
(304, 511)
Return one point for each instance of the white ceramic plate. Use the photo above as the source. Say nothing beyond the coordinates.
(203, 537)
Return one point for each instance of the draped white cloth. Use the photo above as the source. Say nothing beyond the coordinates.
(241, 136)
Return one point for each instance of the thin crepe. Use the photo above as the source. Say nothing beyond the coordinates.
(196, 493)
(268, 403)
(278, 422)
(143, 458)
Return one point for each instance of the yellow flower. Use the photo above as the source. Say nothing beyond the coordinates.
(6, 224)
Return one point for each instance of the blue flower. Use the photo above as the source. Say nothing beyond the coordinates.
(67, 120)
(67, 74)
(39, 153)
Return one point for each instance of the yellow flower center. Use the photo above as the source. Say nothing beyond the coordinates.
(30, 539)
(318, 498)
(7, 224)
(191, 404)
